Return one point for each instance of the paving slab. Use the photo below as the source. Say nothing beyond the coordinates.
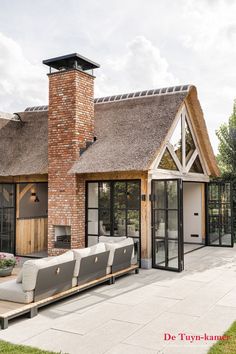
(83, 323)
(130, 349)
(98, 341)
(152, 335)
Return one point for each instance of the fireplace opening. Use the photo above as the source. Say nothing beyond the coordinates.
(62, 236)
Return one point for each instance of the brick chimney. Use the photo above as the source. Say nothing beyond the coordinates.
(70, 128)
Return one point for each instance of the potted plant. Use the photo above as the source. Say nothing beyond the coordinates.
(7, 263)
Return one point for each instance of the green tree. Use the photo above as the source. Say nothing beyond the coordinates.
(227, 145)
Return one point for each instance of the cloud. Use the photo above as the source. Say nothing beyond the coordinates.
(22, 83)
(141, 67)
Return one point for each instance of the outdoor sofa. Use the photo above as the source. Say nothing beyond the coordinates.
(46, 280)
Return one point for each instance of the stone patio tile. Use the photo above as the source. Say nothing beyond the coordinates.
(180, 289)
(162, 279)
(21, 329)
(135, 296)
(54, 340)
(191, 349)
(203, 275)
(229, 299)
(146, 311)
(81, 302)
(98, 341)
(119, 288)
(89, 320)
(152, 335)
(215, 321)
(130, 349)
(198, 303)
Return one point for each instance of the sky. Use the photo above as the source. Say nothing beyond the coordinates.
(140, 44)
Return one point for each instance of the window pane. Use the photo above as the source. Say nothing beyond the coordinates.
(225, 190)
(104, 201)
(167, 162)
(173, 253)
(105, 226)
(176, 140)
(159, 192)
(133, 223)
(159, 252)
(93, 221)
(93, 195)
(172, 224)
(6, 195)
(160, 217)
(120, 222)
(120, 195)
(133, 195)
(136, 250)
(92, 240)
(214, 192)
(172, 194)
(7, 223)
(190, 146)
(226, 224)
(196, 166)
(214, 230)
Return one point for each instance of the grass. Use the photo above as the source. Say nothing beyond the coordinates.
(8, 348)
(226, 346)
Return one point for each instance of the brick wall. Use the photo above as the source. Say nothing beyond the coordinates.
(71, 125)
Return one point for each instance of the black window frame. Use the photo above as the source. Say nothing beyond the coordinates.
(112, 183)
(13, 209)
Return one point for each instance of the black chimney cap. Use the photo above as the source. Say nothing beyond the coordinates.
(71, 61)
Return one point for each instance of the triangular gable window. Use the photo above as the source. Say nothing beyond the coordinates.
(176, 140)
(196, 166)
(189, 142)
(167, 162)
(181, 152)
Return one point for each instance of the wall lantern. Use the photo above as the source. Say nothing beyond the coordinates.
(35, 197)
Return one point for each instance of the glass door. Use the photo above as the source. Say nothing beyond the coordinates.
(219, 218)
(167, 220)
(7, 218)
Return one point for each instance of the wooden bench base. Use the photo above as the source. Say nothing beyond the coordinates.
(10, 310)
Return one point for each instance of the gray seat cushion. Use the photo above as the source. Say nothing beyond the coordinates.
(12, 291)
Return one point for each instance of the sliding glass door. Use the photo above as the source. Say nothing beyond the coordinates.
(167, 236)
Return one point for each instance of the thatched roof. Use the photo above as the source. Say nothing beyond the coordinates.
(23, 146)
(130, 130)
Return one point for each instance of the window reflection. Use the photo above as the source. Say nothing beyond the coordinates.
(196, 166)
(113, 210)
(93, 195)
(176, 140)
(189, 142)
(172, 194)
(167, 162)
